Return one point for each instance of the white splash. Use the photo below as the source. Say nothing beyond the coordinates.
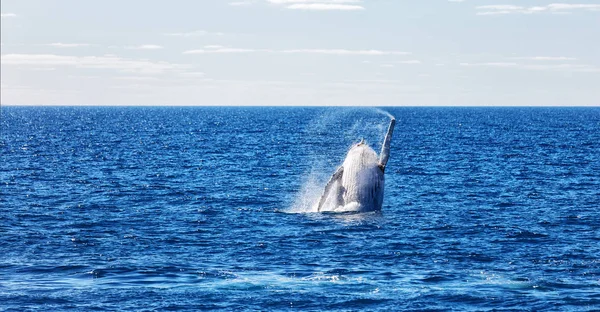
(381, 111)
(308, 195)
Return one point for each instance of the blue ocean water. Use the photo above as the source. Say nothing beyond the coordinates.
(198, 208)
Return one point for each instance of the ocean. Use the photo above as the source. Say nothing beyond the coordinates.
(211, 208)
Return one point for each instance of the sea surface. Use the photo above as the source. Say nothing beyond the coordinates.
(210, 208)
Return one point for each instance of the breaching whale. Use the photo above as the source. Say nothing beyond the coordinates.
(357, 185)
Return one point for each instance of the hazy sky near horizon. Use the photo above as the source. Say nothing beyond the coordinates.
(300, 52)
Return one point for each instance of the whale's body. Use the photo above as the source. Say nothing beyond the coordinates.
(357, 185)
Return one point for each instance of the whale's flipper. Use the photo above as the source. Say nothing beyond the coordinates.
(336, 177)
(385, 148)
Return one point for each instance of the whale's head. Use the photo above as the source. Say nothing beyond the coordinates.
(359, 144)
(360, 154)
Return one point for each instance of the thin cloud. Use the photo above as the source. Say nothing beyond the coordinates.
(7, 15)
(546, 58)
(42, 68)
(296, 51)
(554, 8)
(308, 5)
(314, 1)
(344, 52)
(91, 62)
(564, 67)
(324, 7)
(501, 7)
(409, 62)
(320, 5)
(193, 74)
(221, 50)
(195, 33)
(137, 78)
(491, 64)
(242, 3)
(545, 67)
(145, 47)
(68, 45)
(567, 6)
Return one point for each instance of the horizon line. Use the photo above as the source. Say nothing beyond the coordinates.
(291, 106)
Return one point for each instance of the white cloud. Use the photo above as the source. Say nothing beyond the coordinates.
(91, 62)
(309, 5)
(320, 5)
(296, 51)
(220, 50)
(7, 15)
(69, 45)
(554, 8)
(145, 47)
(195, 33)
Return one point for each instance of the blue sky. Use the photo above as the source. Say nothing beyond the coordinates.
(300, 52)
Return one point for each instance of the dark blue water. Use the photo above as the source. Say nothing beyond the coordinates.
(208, 208)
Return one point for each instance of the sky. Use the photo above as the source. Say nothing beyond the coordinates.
(301, 52)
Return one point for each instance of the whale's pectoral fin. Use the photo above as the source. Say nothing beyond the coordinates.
(385, 148)
(334, 178)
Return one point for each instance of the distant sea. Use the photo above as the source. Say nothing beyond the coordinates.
(209, 208)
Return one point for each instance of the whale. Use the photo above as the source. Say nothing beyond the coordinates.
(357, 185)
